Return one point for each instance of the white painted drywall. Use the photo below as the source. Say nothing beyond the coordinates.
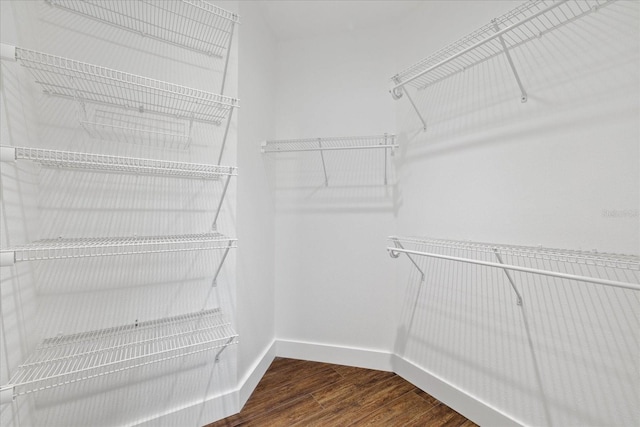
(332, 272)
(256, 121)
(561, 170)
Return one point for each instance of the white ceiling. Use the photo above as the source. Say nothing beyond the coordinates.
(296, 19)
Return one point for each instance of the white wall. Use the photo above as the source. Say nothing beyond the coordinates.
(332, 272)
(561, 170)
(546, 172)
(256, 302)
(86, 294)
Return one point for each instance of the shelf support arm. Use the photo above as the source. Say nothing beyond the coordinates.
(226, 61)
(513, 285)
(398, 92)
(224, 138)
(395, 254)
(224, 192)
(214, 282)
(385, 159)
(523, 92)
(324, 168)
(229, 341)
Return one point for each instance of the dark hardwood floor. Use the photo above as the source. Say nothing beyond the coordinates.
(301, 393)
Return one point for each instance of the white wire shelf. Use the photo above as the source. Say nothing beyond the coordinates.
(522, 24)
(386, 142)
(132, 127)
(49, 249)
(73, 160)
(191, 24)
(68, 359)
(84, 82)
(493, 255)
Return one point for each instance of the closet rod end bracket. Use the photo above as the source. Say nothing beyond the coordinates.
(8, 52)
(7, 154)
(7, 395)
(7, 258)
(396, 93)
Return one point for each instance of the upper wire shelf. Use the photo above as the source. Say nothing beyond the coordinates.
(329, 144)
(49, 249)
(71, 358)
(191, 24)
(95, 84)
(526, 22)
(69, 159)
(510, 258)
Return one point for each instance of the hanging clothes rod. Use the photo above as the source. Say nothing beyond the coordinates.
(394, 252)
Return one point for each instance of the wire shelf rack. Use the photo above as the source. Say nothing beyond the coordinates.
(49, 249)
(84, 82)
(630, 262)
(329, 144)
(530, 20)
(68, 359)
(69, 159)
(136, 128)
(494, 255)
(386, 142)
(191, 24)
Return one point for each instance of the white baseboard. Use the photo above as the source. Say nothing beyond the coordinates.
(225, 405)
(471, 407)
(340, 355)
(466, 404)
(255, 374)
(197, 413)
(216, 407)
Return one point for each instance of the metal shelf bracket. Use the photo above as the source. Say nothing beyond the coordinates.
(506, 272)
(396, 254)
(523, 92)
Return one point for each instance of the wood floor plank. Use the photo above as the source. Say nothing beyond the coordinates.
(311, 394)
(398, 412)
(287, 414)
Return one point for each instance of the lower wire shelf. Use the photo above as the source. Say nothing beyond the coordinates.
(92, 247)
(68, 359)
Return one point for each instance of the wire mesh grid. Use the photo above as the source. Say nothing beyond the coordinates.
(70, 358)
(91, 83)
(136, 128)
(47, 249)
(192, 24)
(331, 143)
(68, 159)
(488, 250)
(528, 21)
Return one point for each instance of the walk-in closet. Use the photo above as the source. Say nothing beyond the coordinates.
(319, 212)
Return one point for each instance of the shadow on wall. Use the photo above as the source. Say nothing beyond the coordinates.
(567, 356)
(347, 181)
